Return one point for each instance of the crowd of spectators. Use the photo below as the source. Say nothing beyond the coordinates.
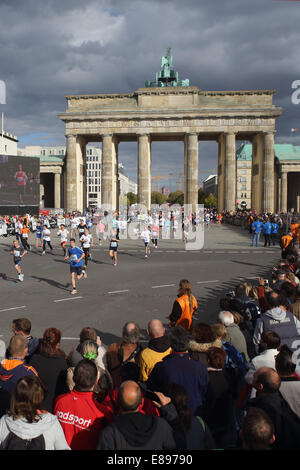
(233, 384)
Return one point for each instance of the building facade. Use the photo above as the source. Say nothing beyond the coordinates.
(8, 144)
(210, 185)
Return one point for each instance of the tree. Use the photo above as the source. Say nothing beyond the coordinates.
(158, 198)
(131, 198)
(210, 201)
(176, 197)
(201, 196)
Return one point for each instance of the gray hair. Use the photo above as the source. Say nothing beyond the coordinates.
(131, 333)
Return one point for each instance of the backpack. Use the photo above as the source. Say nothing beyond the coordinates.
(14, 442)
(128, 369)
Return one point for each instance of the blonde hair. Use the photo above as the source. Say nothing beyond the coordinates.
(89, 349)
(219, 330)
(185, 288)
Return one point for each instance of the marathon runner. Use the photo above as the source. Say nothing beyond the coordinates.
(87, 241)
(24, 233)
(155, 233)
(76, 256)
(39, 234)
(113, 247)
(145, 236)
(63, 234)
(46, 239)
(18, 252)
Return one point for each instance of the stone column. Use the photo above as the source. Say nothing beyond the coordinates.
(71, 202)
(108, 172)
(268, 173)
(283, 192)
(185, 173)
(57, 186)
(230, 172)
(278, 194)
(144, 170)
(221, 170)
(191, 167)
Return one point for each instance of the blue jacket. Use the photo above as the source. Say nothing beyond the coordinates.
(257, 226)
(275, 228)
(268, 228)
(180, 369)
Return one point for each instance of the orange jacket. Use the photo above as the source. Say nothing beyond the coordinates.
(286, 241)
(186, 317)
(295, 229)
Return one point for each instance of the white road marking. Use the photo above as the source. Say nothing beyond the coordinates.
(77, 339)
(118, 291)
(69, 298)
(205, 282)
(164, 285)
(12, 308)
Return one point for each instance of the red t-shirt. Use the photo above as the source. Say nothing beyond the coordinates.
(82, 419)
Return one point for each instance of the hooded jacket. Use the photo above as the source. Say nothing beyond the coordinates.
(277, 319)
(11, 370)
(157, 349)
(48, 426)
(137, 431)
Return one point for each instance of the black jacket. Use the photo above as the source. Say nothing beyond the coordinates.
(52, 371)
(286, 422)
(137, 431)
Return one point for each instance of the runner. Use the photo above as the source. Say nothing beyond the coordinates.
(24, 233)
(113, 247)
(145, 236)
(74, 224)
(18, 252)
(81, 228)
(39, 234)
(76, 256)
(46, 239)
(155, 233)
(21, 179)
(63, 233)
(207, 219)
(87, 241)
(100, 231)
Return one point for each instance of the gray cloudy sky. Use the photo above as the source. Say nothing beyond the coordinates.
(50, 48)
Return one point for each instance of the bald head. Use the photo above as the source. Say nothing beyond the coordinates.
(129, 396)
(155, 329)
(266, 380)
(131, 333)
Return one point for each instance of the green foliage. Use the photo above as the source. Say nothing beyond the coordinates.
(131, 198)
(210, 201)
(158, 198)
(176, 197)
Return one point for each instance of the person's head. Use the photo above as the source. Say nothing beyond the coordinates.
(216, 358)
(219, 331)
(131, 333)
(72, 242)
(179, 339)
(155, 329)
(18, 347)
(129, 396)
(89, 349)
(62, 227)
(85, 376)
(226, 318)
(269, 340)
(274, 299)
(284, 363)
(185, 287)
(281, 275)
(21, 326)
(87, 333)
(45, 226)
(180, 399)
(240, 291)
(238, 318)
(27, 399)
(202, 333)
(16, 243)
(266, 380)
(257, 432)
(86, 231)
(288, 290)
(50, 342)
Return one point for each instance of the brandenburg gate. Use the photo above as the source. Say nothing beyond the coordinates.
(171, 110)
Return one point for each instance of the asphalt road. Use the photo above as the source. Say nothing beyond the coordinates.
(138, 289)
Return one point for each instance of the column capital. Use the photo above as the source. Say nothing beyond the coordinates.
(71, 135)
(192, 133)
(273, 132)
(106, 135)
(230, 133)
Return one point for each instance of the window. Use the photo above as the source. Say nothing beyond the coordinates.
(244, 186)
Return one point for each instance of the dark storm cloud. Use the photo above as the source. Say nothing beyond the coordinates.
(51, 48)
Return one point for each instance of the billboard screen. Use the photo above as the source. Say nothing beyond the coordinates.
(19, 181)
